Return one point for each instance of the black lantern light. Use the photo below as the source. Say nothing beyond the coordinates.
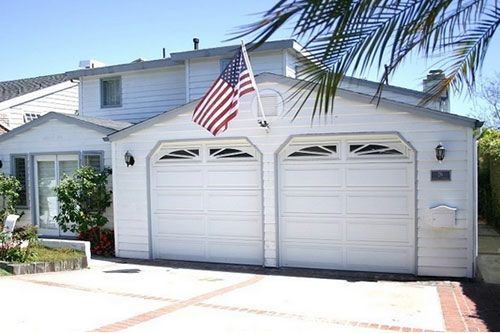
(440, 152)
(129, 159)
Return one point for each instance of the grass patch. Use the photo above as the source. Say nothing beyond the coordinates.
(45, 254)
(4, 273)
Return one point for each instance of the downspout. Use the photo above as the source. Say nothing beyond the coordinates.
(475, 247)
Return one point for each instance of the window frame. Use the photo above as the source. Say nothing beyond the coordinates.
(99, 153)
(101, 83)
(30, 115)
(296, 148)
(165, 151)
(396, 145)
(250, 150)
(13, 172)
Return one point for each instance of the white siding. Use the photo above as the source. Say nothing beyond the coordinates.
(52, 137)
(203, 72)
(144, 94)
(63, 101)
(440, 252)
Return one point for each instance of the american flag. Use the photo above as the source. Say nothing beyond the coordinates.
(221, 103)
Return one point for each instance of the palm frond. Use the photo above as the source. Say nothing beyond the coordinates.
(352, 36)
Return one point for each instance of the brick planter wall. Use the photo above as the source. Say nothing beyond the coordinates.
(44, 267)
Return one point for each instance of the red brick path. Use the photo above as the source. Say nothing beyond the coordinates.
(460, 311)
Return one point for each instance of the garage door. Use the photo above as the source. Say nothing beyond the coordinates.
(347, 203)
(206, 202)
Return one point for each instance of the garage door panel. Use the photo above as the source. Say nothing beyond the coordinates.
(378, 231)
(312, 176)
(238, 252)
(234, 201)
(311, 202)
(368, 176)
(180, 248)
(175, 224)
(241, 178)
(306, 228)
(207, 203)
(312, 256)
(177, 177)
(351, 210)
(378, 203)
(379, 259)
(190, 201)
(233, 226)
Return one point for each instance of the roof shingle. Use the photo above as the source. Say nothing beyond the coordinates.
(15, 88)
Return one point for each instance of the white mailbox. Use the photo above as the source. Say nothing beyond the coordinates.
(443, 216)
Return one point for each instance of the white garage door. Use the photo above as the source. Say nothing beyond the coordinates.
(347, 203)
(206, 202)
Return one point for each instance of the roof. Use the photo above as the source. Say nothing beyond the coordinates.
(178, 58)
(349, 86)
(101, 125)
(15, 88)
(389, 95)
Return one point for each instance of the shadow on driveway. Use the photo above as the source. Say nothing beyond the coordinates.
(484, 303)
(350, 276)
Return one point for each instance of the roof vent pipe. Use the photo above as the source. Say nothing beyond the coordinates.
(196, 43)
(164, 53)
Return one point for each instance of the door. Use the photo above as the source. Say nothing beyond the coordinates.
(49, 171)
(207, 202)
(347, 203)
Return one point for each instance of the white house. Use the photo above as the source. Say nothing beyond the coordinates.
(26, 99)
(42, 151)
(359, 191)
(362, 190)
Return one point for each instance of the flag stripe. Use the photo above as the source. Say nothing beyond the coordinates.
(221, 102)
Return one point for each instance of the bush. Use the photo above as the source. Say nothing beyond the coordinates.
(102, 241)
(489, 176)
(11, 250)
(9, 195)
(83, 200)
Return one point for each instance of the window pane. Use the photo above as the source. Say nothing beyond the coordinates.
(111, 92)
(93, 161)
(20, 174)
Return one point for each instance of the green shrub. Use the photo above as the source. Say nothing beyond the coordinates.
(83, 199)
(10, 188)
(489, 176)
(10, 248)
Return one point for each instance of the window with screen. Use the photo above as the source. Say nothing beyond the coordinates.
(111, 92)
(94, 160)
(20, 171)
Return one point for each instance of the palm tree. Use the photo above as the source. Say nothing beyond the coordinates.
(352, 36)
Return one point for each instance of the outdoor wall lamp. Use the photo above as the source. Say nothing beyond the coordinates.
(129, 159)
(440, 152)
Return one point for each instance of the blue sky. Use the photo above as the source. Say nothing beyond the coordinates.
(44, 37)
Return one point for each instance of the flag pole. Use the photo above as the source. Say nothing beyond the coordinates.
(262, 122)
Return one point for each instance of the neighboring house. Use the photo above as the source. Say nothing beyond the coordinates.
(357, 191)
(42, 151)
(26, 99)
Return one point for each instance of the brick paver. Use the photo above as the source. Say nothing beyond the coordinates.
(466, 307)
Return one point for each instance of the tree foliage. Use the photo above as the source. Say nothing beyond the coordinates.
(83, 199)
(489, 144)
(352, 36)
(10, 188)
(489, 94)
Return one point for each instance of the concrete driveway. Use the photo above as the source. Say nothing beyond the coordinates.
(131, 296)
